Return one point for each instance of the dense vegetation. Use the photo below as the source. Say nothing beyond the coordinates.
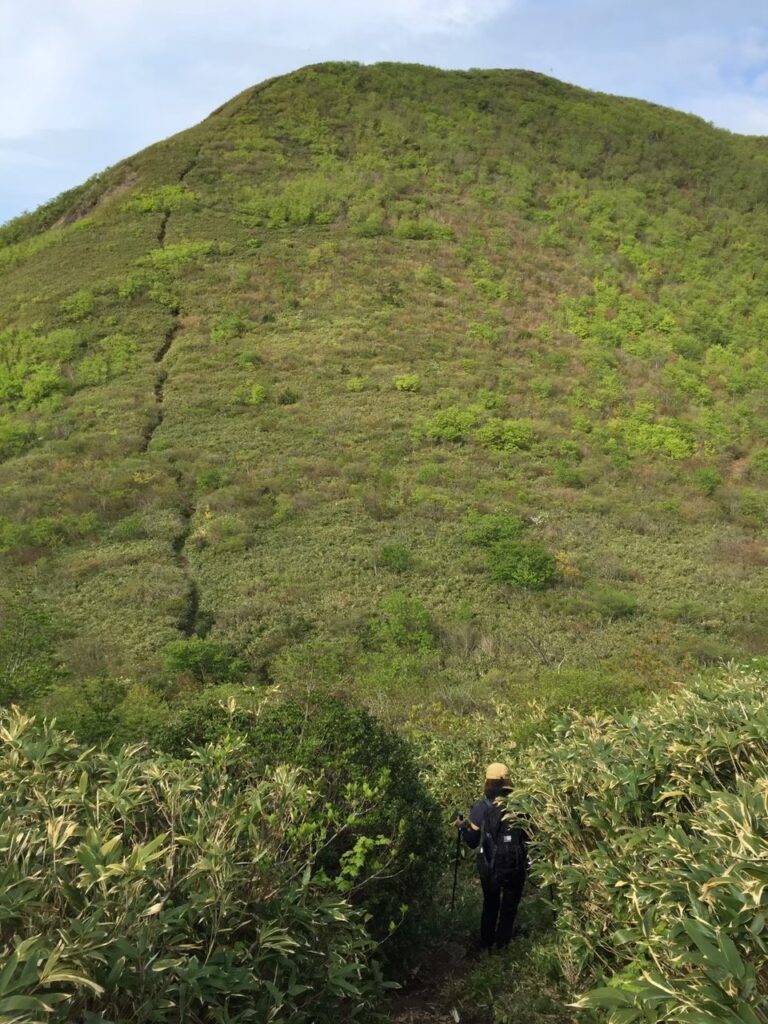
(650, 846)
(261, 384)
(141, 887)
(203, 888)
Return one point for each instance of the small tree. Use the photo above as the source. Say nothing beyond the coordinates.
(522, 564)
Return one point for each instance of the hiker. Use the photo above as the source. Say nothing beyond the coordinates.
(502, 858)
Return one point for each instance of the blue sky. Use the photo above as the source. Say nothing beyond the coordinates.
(86, 82)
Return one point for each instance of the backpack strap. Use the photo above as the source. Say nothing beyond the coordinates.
(489, 807)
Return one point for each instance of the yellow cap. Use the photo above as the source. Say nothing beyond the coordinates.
(497, 770)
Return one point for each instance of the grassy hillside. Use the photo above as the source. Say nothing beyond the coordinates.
(426, 385)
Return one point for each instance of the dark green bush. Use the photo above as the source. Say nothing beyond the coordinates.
(340, 745)
(403, 623)
(568, 476)
(27, 635)
(613, 604)
(395, 557)
(707, 480)
(493, 527)
(522, 564)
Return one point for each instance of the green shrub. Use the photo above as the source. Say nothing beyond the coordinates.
(659, 439)
(453, 424)
(170, 258)
(707, 480)
(758, 464)
(568, 476)
(395, 557)
(521, 563)
(287, 396)
(483, 332)
(611, 603)
(421, 229)
(41, 382)
(167, 890)
(28, 632)
(408, 382)
(250, 394)
(15, 438)
(507, 435)
(206, 661)
(231, 326)
(490, 528)
(341, 746)
(163, 199)
(402, 622)
(130, 527)
(79, 306)
(209, 480)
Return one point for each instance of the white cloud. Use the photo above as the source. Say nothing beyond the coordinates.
(735, 111)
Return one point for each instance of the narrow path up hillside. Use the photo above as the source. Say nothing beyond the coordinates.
(188, 621)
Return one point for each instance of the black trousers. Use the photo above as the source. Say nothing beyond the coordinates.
(499, 910)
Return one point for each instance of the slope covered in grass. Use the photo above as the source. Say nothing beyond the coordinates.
(423, 383)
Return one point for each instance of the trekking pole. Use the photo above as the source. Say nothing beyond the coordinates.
(456, 861)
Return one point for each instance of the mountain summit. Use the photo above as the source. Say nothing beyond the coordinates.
(430, 385)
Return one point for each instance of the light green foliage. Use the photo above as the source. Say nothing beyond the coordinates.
(14, 438)
(213, 883)
(708, 480)
(658, 438)
(164, 199)
(421, 228)
(483, 332)
(453, 424)
(507, 435)
(250, 394)
(313, 198)
(111, 357)
(407, 382)
(179, 254)
(79, 306)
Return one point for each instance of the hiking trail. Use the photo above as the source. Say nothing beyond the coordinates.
(188, 621)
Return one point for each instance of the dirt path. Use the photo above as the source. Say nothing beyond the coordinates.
(425, 999)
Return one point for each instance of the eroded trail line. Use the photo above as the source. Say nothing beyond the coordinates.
(170, 334)
(188, 620)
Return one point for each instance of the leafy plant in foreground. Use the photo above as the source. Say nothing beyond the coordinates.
(140, 888)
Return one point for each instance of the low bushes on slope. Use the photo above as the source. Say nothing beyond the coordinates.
(140, 888)
(653, 829)
(345, 746)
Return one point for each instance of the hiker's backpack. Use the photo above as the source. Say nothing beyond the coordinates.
(502, 853)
